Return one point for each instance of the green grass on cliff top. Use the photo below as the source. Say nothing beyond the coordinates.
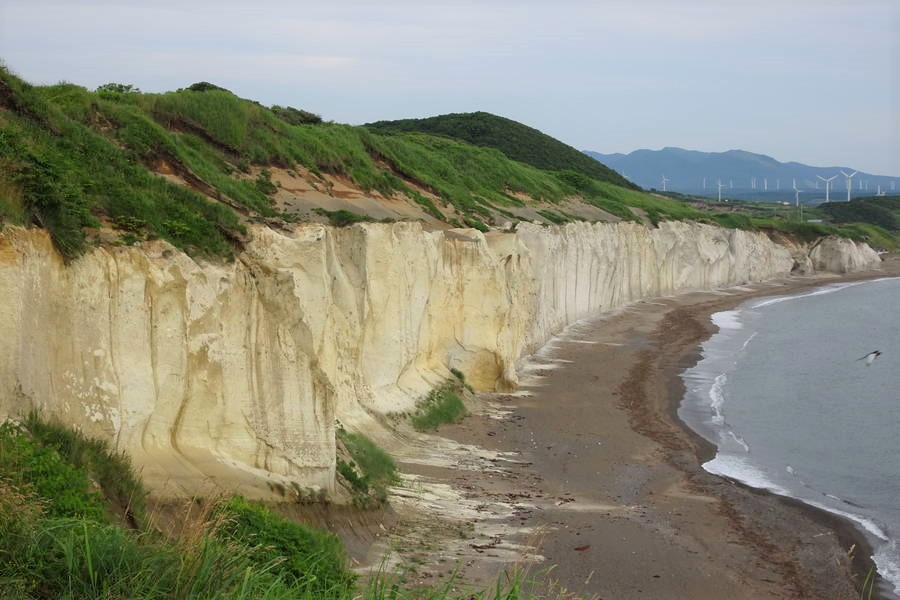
(75, 161)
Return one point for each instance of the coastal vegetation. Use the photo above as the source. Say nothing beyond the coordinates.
(65, 532)
(442, 405)
(369, 472)
(196, 166)
(517, 141)
(878, 211)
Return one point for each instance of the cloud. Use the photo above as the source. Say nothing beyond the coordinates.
(689, 72)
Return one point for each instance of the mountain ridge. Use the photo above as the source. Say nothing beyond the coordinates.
(686, 169)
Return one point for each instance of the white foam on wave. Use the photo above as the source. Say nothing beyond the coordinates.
(869, 525)
(727, 319)
(719, 357)
(886, 556)
(717, 398)
(743, 470)
(740, 468)
(748, 340)
(888, 564)
(828, 289)
(743, 444)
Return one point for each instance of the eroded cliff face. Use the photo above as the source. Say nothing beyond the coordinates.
(840, 255)
(233, 375)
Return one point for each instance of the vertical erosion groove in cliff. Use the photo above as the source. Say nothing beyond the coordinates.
(232, 375)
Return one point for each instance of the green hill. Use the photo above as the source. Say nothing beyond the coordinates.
(515, 140)
(883, 211)
(197, 166)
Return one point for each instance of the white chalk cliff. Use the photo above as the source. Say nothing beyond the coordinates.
(234, 374)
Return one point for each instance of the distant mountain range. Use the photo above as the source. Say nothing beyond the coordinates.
(745, 175)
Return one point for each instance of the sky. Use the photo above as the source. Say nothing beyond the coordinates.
(814, 81)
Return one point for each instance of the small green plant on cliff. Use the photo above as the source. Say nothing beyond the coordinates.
(442, 405)
(264, 182)
(370, 471)
(341, 217)
(476, 223)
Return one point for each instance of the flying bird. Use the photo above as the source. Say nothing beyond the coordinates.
(870, 357)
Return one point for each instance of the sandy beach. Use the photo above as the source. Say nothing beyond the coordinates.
(605, 482)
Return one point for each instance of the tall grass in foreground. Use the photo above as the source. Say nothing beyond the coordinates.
(868, 586)
(78, 558)
(111, 470)
(58, 540)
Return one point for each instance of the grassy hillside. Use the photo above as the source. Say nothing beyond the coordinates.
(60, 173)
(875, 219)
(195, 167)
(74, 160)
(515, 140)
(883, 211)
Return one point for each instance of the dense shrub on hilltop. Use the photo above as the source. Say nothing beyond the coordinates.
(517, 141)
(881, 211)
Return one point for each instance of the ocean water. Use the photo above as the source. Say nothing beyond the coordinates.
(781, 393)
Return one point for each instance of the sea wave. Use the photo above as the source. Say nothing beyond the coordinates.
(742, 469)
(734, 459)
(828, 289)
(727, 319)
(717, 398)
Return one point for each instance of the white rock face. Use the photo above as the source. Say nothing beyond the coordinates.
(233, 375)
(840, 255)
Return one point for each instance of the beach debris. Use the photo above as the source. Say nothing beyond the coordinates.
(482, 547)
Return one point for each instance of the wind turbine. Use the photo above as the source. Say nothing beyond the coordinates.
(849, 182)
(892, 185)
(827, 184)
(721, 185)
(665, 181)
(797, 200)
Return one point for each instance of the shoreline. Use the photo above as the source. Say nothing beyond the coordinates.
(850, 533)
(613, 485)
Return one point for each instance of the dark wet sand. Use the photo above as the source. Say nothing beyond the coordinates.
(613, 477)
